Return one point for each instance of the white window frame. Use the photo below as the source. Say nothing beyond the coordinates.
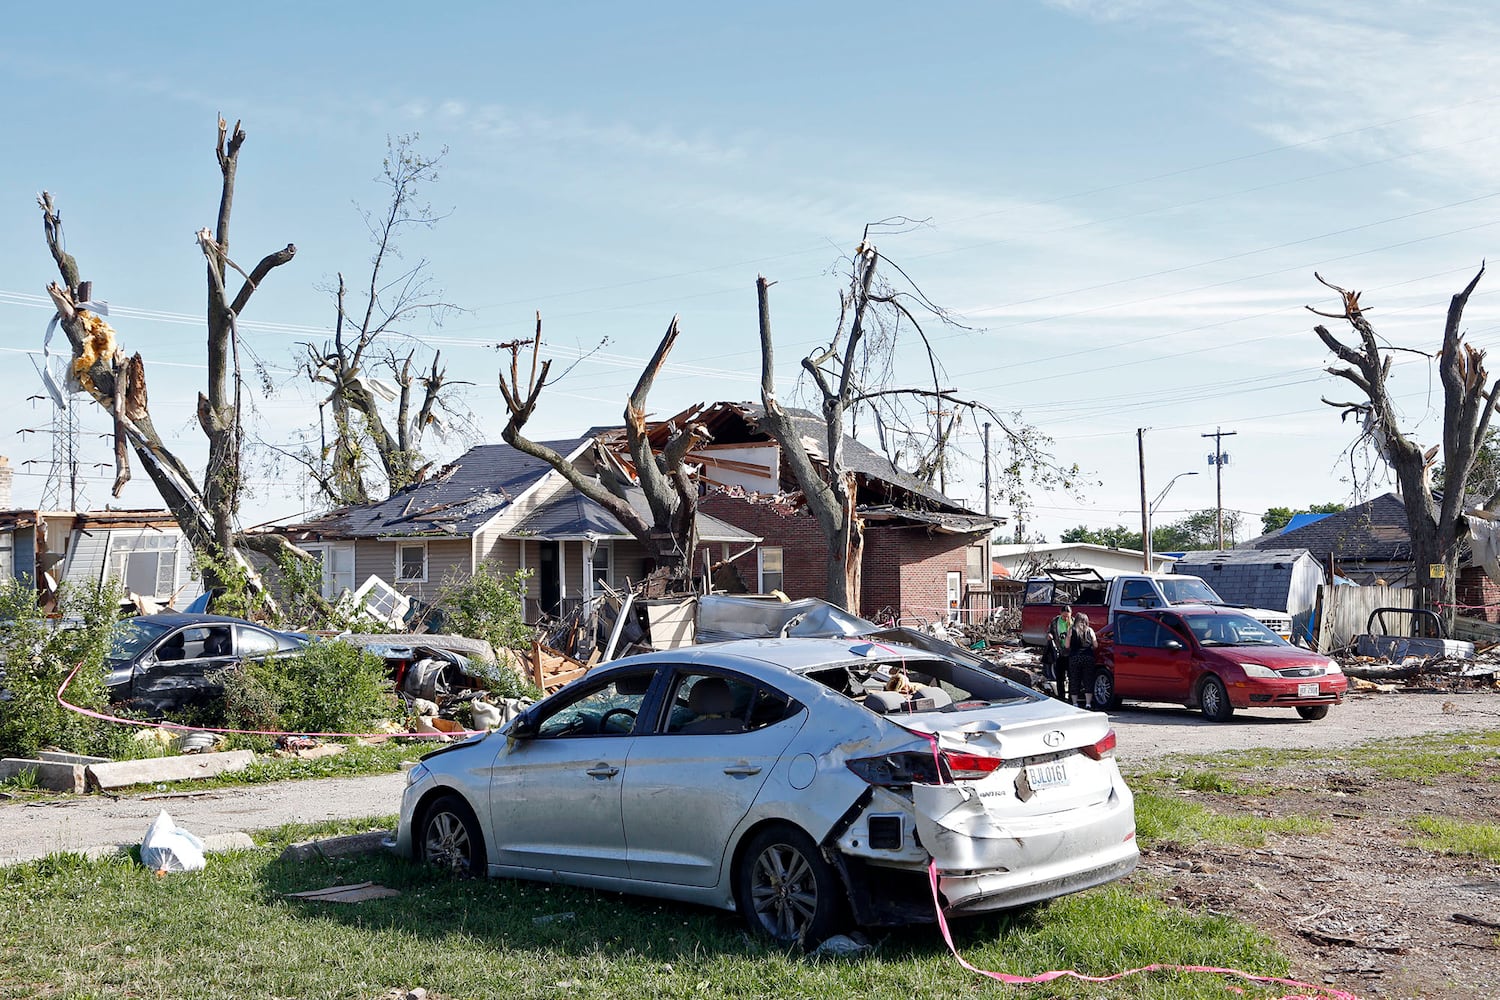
(325, 551)
(607, 549)
(400, 562)
(983, 578)
(760, 568)
(164, 545)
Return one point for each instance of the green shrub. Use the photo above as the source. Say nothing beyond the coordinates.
(487, 605)
(38, 655)
(333, 687)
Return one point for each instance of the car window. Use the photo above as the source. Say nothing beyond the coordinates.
(704, 704)
(199, 642)
(254, 642)
(133, 635)
(1189, 590)
(1133, 631)
(1139, 593)
(1039, 592)
(1232, 630)
(605, 709)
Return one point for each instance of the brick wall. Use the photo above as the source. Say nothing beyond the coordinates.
(903, 568)
(1474, 588)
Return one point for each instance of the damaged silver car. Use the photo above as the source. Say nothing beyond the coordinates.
(802, 782)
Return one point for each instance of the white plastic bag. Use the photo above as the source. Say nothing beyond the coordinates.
(169, 848)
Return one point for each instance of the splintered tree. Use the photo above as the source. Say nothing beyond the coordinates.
(1436, 523)
(670, 537)
(851, 373)
(382, 400)
(117, 382)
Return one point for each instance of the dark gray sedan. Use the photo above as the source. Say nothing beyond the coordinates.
(160, 663)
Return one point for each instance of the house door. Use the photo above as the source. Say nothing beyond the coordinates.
(549, 581)
(955, 594)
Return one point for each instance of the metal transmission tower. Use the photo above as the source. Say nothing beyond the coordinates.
(1218, 459)
(62, 475)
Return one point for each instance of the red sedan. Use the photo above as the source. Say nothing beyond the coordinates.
(1215, 659)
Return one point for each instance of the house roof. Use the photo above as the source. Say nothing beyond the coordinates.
(1374, 531)
(456, 501)
(1301, 521)
(570, 514)
(1243, 557)
(730, 422)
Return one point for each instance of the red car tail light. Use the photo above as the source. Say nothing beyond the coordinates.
(896, 770)
(1104, 748)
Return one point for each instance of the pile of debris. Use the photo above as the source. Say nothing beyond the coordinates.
(1406, 649)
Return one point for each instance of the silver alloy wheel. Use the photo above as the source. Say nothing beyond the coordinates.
(784, 891)
(447, 843)
(1214, 701)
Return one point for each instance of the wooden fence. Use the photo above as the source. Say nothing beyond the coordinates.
(1343, 612)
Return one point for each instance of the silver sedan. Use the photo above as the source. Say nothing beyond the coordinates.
(803, 782)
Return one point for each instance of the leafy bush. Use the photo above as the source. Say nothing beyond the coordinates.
(488, 605)
(38, 655)
(333, 687)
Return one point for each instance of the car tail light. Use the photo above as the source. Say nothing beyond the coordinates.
(920, 767)
(1104, 748)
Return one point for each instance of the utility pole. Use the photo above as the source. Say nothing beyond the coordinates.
(1140, 447)
(986, 468)
(1218, 460)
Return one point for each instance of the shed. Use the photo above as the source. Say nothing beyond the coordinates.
(1278, 579)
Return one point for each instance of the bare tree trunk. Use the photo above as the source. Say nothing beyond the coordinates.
(1436, 527)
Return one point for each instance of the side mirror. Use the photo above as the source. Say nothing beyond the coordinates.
(524, 728)
(1172, 644)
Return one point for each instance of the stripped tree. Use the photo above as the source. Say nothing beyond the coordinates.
(852, 372)
(1436, 523)
(117, 382)
(670, 536)
(382, 400)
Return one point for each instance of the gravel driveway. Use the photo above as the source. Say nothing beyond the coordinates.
(34, 829)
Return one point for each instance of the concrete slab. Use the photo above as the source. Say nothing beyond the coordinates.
(337, 847)
(53, 776)
(124, 773)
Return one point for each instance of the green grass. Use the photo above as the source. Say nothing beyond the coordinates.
(77, 929)
(1162, 818)
(1452, 836)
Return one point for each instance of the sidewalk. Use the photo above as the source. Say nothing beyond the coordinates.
(76, 823)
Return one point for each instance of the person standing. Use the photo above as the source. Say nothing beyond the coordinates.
(1083, 644)
(1055, 655)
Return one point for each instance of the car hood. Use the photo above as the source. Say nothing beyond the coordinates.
(1275, 657)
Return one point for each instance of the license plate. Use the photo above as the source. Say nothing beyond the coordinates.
(1309, 690)
(1047, 775)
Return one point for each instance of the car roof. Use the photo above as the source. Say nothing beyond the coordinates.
(172, 619)
(798, 656)
(1191, 610)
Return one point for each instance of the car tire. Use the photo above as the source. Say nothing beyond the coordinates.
(1312, 713)
(786, 890)
(1213, 700)
(450, 837)
(1103, 693)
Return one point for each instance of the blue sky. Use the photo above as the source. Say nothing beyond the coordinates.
(1126, 202)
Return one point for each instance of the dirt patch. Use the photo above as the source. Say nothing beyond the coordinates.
(1359, 906)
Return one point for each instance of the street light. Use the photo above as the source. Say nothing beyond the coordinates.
(1151, 510)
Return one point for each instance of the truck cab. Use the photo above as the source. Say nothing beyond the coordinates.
(1100, 597)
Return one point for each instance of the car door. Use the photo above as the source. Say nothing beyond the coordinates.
(692, 779)
(555, 795)
(178, 670)
(1152, 662)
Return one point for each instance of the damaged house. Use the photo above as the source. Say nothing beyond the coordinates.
(925, 555)
(144, 549)
(493, 505)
